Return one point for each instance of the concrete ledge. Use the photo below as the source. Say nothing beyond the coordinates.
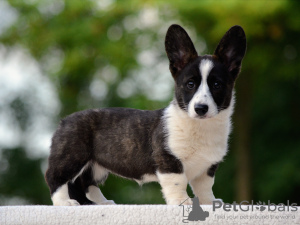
(140, 214)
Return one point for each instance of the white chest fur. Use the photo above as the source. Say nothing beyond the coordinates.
(198, 143)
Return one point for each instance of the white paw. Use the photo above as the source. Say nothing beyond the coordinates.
(108, 202)
(67, 202)
(180, 201)
(72, 202)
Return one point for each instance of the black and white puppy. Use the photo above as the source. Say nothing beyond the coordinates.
(180, 144)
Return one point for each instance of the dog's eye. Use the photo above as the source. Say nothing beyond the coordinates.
(216, 85)
(191, 84)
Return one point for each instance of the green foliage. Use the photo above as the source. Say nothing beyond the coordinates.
(22, 177)
(75, 41)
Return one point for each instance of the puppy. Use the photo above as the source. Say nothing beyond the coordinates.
(180, 144)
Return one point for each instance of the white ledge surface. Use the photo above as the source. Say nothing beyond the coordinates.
(138, 214)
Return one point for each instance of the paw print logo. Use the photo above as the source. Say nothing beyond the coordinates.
(260, 206)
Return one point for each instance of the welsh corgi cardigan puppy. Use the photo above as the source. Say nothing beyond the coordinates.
(178, 145)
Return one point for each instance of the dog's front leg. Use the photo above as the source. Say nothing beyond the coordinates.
(202, 188)
(174, 188)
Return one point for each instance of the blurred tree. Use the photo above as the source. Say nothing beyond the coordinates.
(21, 177)
(94, 51)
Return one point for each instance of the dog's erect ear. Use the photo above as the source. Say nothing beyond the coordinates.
(231, 49)
(180, 49)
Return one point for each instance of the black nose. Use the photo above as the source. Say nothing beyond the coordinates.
(201, 109)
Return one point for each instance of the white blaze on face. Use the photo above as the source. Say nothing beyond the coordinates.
(203, 95)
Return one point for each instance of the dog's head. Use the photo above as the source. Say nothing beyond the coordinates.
(204, 84)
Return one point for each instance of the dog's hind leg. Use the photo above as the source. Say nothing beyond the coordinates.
(57, 179)
(66, 161)
(93, 192)
(95, 195)
(78, 187)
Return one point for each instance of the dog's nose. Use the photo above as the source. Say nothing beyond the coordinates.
(201, 109)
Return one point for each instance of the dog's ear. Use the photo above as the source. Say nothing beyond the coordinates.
(231, 49)
(180, 49)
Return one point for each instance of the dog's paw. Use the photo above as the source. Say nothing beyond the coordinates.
(72, 202)
(180, 201)
(108, 202)
(68, 202)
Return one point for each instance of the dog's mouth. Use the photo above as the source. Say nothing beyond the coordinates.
(204, 117)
